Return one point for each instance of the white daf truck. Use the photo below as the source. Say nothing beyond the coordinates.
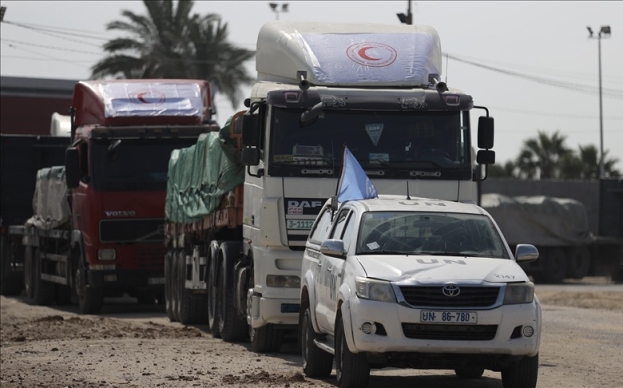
(320, 86)
(416, 283)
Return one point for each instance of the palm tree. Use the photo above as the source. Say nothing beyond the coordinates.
(540, 156)
(507, 170)
(171, 43)
(585, 164)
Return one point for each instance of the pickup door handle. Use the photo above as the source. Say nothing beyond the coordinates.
(329, 269)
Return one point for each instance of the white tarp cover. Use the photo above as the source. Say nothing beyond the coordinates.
(49, 203)
(151, 99)
(539, 220)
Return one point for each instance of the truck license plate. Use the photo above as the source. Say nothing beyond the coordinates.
(448, 317)
(155, 281)
(300, 224)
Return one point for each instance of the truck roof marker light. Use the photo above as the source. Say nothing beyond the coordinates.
(452, 99)
(291, 96)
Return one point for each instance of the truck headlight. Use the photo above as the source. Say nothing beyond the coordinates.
(519, 293)
(106, 254)
(374, 290)
(283, 281)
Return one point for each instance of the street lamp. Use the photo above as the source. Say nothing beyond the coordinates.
(275, 8)
(605, 31)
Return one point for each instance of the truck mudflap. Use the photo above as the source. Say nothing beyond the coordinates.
(118, 279)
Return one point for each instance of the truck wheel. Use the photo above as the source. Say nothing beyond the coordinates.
(316, 362)
(230, 325)
(192, 308)
(168, 285)
(175, 286)
(90, 300)
(352, 369)
(522, 373)
(43, 291)
(554, 266)
(266, 339)
(469, 373)
(29, 271)
(212, 287)
(579, 263)
(10, 284)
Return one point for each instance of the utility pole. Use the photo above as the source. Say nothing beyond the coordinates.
(408, 18)
(606, 32)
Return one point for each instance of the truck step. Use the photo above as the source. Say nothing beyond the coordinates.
(55, 257)
(326, 343)
(53, 278)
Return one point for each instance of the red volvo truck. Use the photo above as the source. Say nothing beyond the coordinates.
(98, 225)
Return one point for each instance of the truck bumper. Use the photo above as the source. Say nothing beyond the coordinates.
(275, 311)
(507, 323)
(125, 279)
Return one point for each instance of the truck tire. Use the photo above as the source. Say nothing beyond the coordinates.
(175, 286)
(43, 291)
(351, 369)
(192, 308)
(90, 300)
(29, 272)
(10, 283)
(266, 339)
(316, 362)
(168, 285)
(212, 288)
(554, 266)
(231, 325)
(579, 262)
(469, 373)
(522, 373)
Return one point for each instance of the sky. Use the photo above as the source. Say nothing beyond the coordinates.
(536, 68)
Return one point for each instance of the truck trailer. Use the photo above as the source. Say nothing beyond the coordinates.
(320, 86)
(98, 223)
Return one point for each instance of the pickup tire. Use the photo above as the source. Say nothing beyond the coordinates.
(522, 373)
(266, 339)
(168, 285)
(231, 326)
(469, 373)
(352, 369)
(192, 307)
(10, 284)
(43, 291)
(316, 362)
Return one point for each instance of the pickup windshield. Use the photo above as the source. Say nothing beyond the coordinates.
(390, 141)
(132, 164)
(419, 233)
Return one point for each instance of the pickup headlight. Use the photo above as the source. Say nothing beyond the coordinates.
(519, 293)
(374, 290)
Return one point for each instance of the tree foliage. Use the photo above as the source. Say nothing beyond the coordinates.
(170, 42)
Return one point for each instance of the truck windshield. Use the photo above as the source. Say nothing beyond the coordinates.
(132, 164)
(383, 140)
(419, 233)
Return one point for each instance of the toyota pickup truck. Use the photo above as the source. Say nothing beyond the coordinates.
(416, 283)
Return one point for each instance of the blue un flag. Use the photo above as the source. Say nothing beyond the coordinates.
(354, 183)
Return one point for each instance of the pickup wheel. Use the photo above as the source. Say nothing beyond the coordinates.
(230, 325)
(43, 291)
(90, 300)
(469, 373)
(522, 373)
(316, 362)
(352, 369)
(168, 285)
(10, 285)
(266, 339)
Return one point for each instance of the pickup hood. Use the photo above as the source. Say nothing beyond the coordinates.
(425, 269)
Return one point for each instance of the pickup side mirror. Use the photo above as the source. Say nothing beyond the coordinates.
(250, 129)
(333, 248)
(250, 156)
(72, 167)
(485, 132)
(525, 253)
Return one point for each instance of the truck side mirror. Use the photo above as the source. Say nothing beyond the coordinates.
(250, 129)
(485, 132)
(250, 156)
(72, 167)
(485, 157)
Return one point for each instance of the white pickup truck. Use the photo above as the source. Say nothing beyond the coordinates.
(416, 283)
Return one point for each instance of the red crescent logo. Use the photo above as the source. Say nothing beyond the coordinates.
(362, 53)
(140, 97)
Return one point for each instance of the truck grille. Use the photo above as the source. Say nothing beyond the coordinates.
(449, 332)
(150, 257)
(434, 297)
(132, 230)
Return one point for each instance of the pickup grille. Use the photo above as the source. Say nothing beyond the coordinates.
(449, 332)
(434, 297)
(132, 230)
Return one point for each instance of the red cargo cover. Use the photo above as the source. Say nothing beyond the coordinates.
(142, 102)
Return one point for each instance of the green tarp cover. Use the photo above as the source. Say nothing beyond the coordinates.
(49, 203)
(199, 176)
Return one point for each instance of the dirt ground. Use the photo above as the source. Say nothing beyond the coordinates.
(54, 347)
